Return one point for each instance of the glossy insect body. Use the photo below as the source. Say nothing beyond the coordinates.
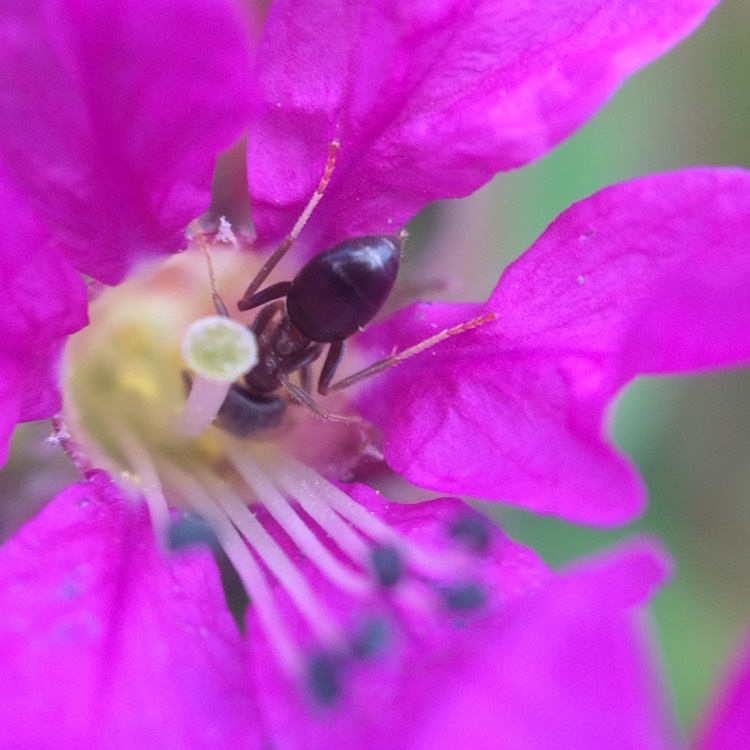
(334, 295)
(341, 290)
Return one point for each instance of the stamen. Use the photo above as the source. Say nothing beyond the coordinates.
(464, 597)
(324, 678)
(281, 510)
(268, 549)
(370, 524)
(371, 638)
(189, 531)
(472, 531)
(148, 480)
(253, 578)
(321, 512)
(313, 493)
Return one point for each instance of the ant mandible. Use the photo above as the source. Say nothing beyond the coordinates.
(334, 295)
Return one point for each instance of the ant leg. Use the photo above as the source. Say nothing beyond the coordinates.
(303, 358)
(219, 306)
(275, 291)
(305, 399)
(281, 250)
(265, 316)
(394, 359)
(333, 360)
(305, 378)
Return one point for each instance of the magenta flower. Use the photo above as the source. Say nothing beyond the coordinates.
(368, 623)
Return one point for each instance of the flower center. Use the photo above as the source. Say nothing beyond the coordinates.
(132, 389)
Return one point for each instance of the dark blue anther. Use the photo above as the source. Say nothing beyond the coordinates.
(472, 531)
(387, 566)
(324, 679)
(370, 639)
(464, 597)
(188, 531)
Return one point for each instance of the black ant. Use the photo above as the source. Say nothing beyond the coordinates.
(334, 295)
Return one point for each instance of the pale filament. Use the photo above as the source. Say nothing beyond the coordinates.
(148, 480)
(320, 511)
(277, 561)
(284, 514)
(370, 524)
(250, 573)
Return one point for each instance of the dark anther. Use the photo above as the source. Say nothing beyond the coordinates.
(464, 597)
(472, 531)
(387, 565)
(370, 639)
(324, 679)
(189, 531)
(234, 590)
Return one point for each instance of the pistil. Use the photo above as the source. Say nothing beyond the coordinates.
(218, 350)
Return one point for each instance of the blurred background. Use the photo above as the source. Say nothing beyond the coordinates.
(690, 436)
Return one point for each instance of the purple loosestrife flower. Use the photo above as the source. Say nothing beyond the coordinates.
(415, 626)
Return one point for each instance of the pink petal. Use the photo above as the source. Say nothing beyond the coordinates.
(94, 617)
(44, 300)
(514, 410)
(430, 100)
(107, 644)
(551, 657)
(112, 114)
(10, 403)
(728, 724)
(572, 666)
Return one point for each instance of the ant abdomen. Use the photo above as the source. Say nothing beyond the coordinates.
(340, 290)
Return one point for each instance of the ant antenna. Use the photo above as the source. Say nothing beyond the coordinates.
(221, 308)
(281, 250)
